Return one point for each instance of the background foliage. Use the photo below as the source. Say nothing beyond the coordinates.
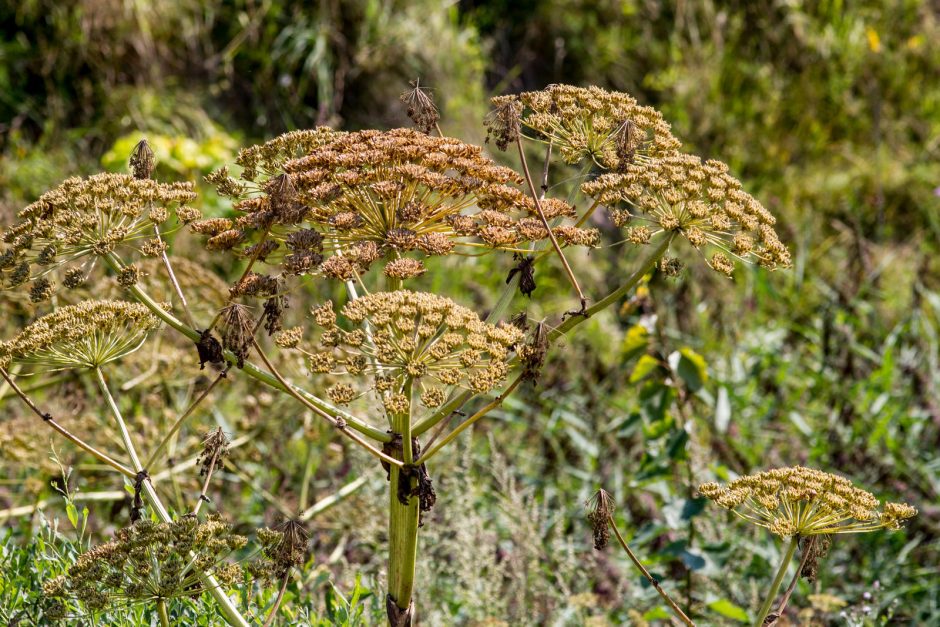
(828, 110)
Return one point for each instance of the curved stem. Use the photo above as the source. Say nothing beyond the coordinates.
(68, 435)
(226, 607)
(250, 369)
(496, 402)
(636, 562)
(340, 426)
(775, 586)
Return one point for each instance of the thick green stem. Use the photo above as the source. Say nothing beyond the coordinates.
(228, 609)
(403, 541)
(775, 586)
(164, 615)
(402, 517)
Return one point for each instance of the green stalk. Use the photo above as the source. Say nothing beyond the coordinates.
(775, 586)
(228, 610)
(402, 519)
(164, 616)
(250, 369)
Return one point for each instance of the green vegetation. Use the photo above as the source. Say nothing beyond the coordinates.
(829, 114)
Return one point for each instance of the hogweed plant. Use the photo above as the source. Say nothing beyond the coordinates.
(399, 372)
(807, 507)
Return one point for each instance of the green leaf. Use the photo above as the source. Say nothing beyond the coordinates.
(646, 366)
(72, 512)
(729, 610)
(635, 342)
(692, 369)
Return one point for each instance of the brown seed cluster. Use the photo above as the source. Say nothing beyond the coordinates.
(804, 501)
(609, 128)
(149, 561)
(83, 217)
(421, 108)
(696, 199)
(282, 548)
(416, 341)
(86, 335)
(372, 196)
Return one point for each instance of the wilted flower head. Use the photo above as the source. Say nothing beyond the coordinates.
(282, 548)
(696, 199)
(422, 339)
(421, 108)
(87, 216)
(149, 561)
(803, 501)
(372, 195)
(86, 335)
(607, 127)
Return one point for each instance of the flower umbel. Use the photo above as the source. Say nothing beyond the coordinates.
(86, 335)
(416, 338)
(696, 199)
(373, 195)
(610, 128)
(803, 501)
(152, 561)
(85, 217)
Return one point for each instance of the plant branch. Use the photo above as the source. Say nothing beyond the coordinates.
(68, 435)
(337, 422)
(250, 369)
(172, 275)
(548, 227)
(778, 579)
(277, 601)
(633, 558)
(807, 550)
(463, 426)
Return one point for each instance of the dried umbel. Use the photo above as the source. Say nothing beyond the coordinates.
(87, 217)
(609, 128)
(86, 335)
(416, 341)
(697, 200)
(806, 502)
(282, 548)
(372, 195)
(150, 561)
(421, 108)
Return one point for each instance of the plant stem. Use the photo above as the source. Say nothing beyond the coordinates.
(250, 369)
(176, 286)
(336, 422)
(778, 579)
(226, 607)
(496, 402)
(403, 518)
(329, 501)
(277, 601)
(633, 558)
(648, 263)
(205, 486)
(164, 616)
(68, 435)
(781, 608)
(179, 421)
(548, 227)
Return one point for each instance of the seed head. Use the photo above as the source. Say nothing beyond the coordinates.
(142, 160)
(609, 128)
(84, 217)
(806, 502)
(360, 198)
(421, 108)
(86, 335)
(696, 199)
(149, 561)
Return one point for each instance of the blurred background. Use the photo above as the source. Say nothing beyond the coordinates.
(828, 110)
